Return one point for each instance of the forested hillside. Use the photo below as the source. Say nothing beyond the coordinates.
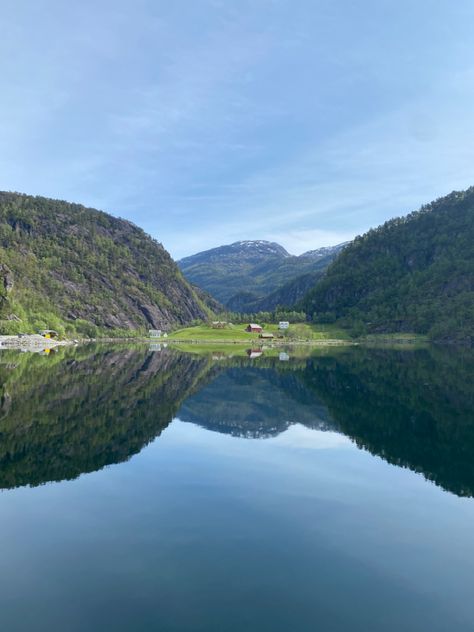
(414, 273)
(68, 267)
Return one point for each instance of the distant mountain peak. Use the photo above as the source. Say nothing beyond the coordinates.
(261, 245)
(248, 249)
(250, 269)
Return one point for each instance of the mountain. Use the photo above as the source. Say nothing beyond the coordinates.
(226, 270)
(67, 267)
(414, 273)
(287, 295)
(244, 275)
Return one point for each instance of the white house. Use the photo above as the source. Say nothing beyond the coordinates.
(154, 333)
(283, 324)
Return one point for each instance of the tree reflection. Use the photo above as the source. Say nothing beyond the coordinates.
(79, 410)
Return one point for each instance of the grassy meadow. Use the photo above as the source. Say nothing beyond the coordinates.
(235, 333)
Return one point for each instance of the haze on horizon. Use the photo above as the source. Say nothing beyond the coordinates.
(209, 122)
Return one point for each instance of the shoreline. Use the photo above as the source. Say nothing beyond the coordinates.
(36, 342)
(33, 342)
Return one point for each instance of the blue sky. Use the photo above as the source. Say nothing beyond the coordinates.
(208, 121)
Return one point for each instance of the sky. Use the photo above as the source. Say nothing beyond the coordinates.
(206, 122)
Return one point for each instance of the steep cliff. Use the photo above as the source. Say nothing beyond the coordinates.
(66, 266)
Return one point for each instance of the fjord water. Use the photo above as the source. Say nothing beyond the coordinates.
(156, 490)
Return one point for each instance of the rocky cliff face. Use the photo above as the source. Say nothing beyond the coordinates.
(6, 285)
(6, 276)
(75, 265)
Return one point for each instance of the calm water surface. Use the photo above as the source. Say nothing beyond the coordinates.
(162, 491)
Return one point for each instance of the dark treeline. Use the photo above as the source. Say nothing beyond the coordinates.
(274, 316)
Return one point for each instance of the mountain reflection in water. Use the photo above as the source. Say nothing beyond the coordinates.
(79, 410)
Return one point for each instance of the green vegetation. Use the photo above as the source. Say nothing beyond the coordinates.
(231, 333)
(264, 316)
(413, 274)
(83, 272)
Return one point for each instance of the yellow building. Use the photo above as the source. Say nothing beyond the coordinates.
(49, 333)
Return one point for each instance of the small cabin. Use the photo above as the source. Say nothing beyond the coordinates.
(218, 324)
(283, 324)
(253, 328)
(267, 336)
(49, 333)
(154, 333)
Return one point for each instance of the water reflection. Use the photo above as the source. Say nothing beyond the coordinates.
(251, 402)
(85, 408)
(414, 409)
(78, 410)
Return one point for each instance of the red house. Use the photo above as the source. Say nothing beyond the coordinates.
(254, 329)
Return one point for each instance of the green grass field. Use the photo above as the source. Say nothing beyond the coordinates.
(299, 332)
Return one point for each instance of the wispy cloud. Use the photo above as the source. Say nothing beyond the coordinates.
(209, 122)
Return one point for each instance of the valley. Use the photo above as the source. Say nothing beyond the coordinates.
(86, 274)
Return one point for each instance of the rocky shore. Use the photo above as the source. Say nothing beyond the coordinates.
(31, 342)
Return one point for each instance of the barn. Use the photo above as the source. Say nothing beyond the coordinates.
(254, 328)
